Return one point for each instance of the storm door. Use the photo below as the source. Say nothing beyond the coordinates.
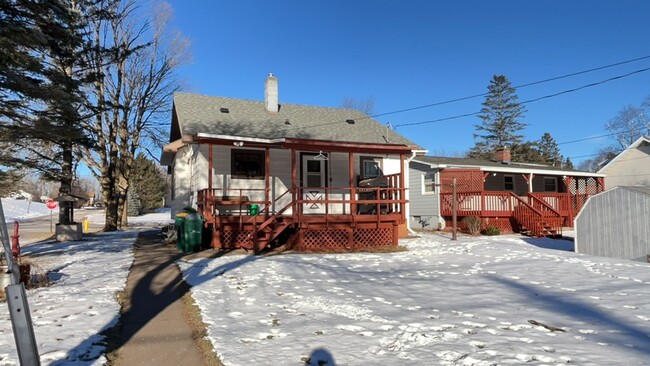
(313, 181)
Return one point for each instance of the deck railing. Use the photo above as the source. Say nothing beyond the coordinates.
(299, 201)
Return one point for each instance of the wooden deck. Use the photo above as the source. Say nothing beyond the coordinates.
(322, 219)
(539, 214)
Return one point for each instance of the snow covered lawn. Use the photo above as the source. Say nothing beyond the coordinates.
(81, 302)
(469, 302)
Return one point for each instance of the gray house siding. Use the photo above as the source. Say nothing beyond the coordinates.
(615, 223)
(423, 207)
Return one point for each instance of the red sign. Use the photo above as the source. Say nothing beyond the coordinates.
(51, 204)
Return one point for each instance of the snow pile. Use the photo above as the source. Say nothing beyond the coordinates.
(23, 209)
(477, 301)
(69, 315)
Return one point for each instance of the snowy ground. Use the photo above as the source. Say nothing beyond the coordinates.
(81, 302)
(469, 302)
(17, 210)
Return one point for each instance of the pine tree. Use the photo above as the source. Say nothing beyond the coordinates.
(134, 205)
(568, 164)
(40, 110)
(148, 182)
(501, 115)
(549, 150)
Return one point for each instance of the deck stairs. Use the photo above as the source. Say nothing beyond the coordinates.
(536, 217)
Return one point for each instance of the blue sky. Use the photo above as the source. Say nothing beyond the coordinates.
(412, 53)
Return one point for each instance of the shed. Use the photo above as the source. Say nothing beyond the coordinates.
(616, 224)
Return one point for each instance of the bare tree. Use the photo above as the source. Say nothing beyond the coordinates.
(366, 105)
(136, 61)
(630, 124)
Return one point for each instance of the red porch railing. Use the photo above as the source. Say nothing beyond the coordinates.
(314, 208)
(531, 212)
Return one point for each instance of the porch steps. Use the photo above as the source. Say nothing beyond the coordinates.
(267, 234)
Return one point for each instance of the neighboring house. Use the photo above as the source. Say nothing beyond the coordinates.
(631, 167)
(512, 196)
(616, 224)
(262, 171)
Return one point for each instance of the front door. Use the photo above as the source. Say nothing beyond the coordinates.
(314, 178)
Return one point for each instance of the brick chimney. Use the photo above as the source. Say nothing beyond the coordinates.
(271, 94)
(503, 154)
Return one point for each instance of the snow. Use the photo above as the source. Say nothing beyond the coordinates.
(468, 302)
(18, 210)
(69, 315)
(475, 301)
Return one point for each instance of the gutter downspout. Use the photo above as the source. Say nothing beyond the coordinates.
(407, 178)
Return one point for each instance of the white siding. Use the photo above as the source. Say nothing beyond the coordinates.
(615, 223)
(632, 169)
(191, 174)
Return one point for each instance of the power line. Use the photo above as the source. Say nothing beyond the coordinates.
(532, 100)
(516, 87)
(600, 136)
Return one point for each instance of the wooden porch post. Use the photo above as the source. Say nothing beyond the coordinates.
(601, 184)
(568, 203)
(294, 185)
(267, 181)
(353, 193)
(529, 181)
(402, 194)
(210, 168)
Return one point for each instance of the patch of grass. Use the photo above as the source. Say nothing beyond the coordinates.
(199, 330)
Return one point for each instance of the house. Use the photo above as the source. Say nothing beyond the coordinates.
(511, 196)
(631, 167)
(616, 224)
(260, 171)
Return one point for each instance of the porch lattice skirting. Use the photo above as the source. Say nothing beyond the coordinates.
(346, 240)
(324, 240)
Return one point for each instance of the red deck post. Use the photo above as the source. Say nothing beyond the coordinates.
(353, 193)
(402, 194)
(267, 180)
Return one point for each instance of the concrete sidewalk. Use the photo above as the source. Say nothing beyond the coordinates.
(156, 328)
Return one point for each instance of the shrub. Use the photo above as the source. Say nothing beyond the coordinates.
(492, 230)
(473, 224)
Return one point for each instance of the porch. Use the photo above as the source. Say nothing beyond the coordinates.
(315, 219)
(527, 211)
(313, 196)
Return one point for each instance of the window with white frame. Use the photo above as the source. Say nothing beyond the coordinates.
(370, 167)
(428, 183)
(550, 184)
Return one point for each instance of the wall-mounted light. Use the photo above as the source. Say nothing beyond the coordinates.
(238, 143)
(494, 174)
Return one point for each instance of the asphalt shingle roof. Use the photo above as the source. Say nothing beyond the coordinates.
(489, 163)
(246, 118)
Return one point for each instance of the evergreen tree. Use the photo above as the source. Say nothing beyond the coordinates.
(148, 183)
(527, 152)
(41, 97)
(568, 164)
(501, 115)
(134, 205)
(549, 150)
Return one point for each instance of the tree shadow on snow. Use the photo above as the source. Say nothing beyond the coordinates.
(154, 263)
(563, 244)
(625, 333)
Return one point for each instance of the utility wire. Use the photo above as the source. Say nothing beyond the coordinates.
(533, 100)
(516, 87)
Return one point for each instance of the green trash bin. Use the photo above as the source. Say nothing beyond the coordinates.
(192, 231)
(180, 229)
(253, 209)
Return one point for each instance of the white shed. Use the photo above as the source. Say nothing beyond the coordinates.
(616, 224)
